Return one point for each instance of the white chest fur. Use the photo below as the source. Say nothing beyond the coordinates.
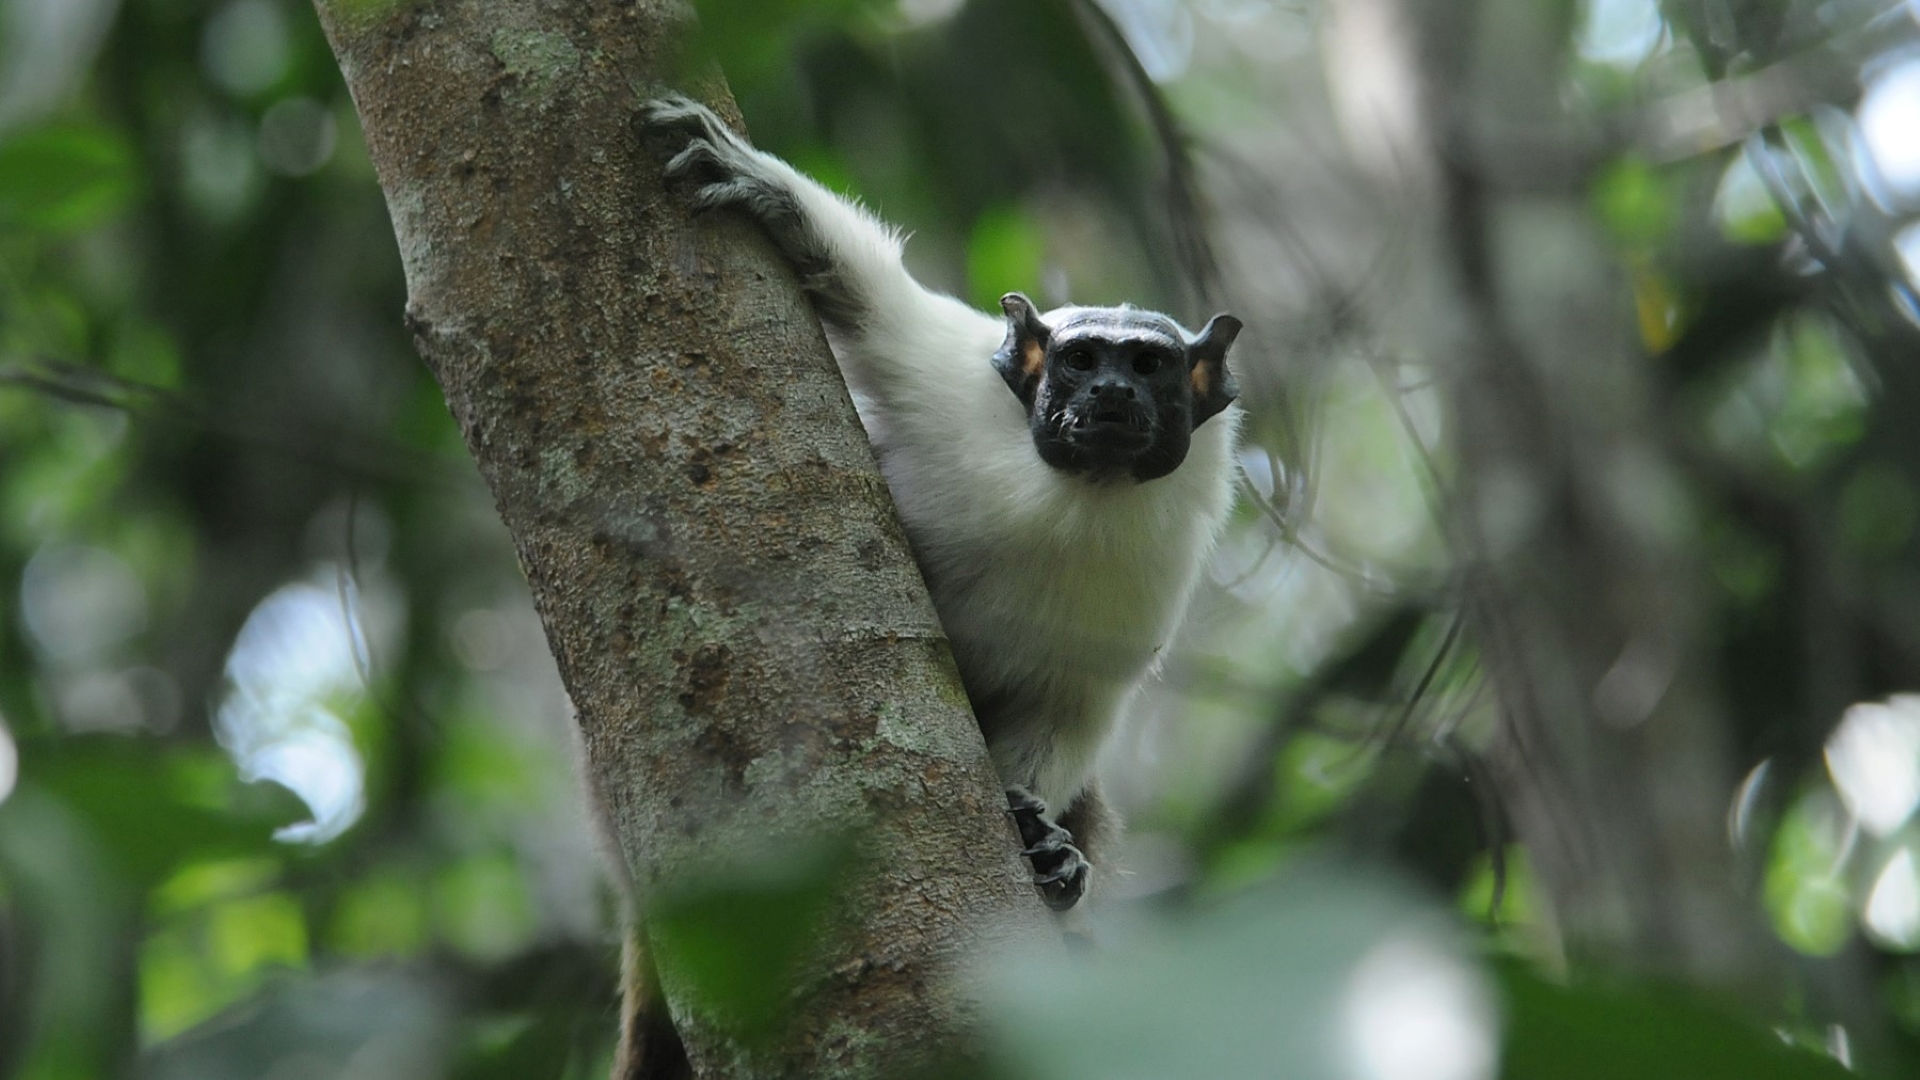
(1058, 592)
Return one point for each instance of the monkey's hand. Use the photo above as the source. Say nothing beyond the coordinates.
(848, 261)
(1059, 869)
(726, 171)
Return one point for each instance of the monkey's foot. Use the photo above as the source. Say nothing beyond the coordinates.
(1059, 870)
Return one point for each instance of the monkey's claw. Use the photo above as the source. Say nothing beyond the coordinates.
(711, 143)
(680, 112)
(1059, 869)
(700, 155)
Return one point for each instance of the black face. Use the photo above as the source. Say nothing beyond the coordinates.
(1114, 392)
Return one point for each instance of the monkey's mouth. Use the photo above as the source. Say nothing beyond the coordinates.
(1110, 426)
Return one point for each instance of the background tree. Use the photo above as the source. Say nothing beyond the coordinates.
(1548, 700)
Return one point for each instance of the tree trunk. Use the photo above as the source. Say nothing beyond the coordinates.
(1572, 527)
(734, 610)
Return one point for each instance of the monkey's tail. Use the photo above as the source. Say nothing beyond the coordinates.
(650, 1049)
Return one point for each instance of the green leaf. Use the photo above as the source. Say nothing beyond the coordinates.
(64, 178)
(155, 810)
(252, 932)
(1316, 775)
(736, 941)
(1878, 509)
(1004, 253)
(1297, 978)
(1645, 1032)
(1636, 202)
(1813, 150)
(1823, 404)
(1515, 884)
(145, 353)
(197, 885)
(1744, 208)
(517, 1048)
(1806, 890)
(385, 915)
(483, 907)
(754, 40)
(196, 966)
(1745, 566)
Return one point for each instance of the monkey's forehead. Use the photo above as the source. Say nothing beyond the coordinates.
(1118, 324)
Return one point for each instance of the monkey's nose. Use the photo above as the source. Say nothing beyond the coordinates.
(1113, 404)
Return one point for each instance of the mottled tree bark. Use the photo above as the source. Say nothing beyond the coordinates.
(733, 608)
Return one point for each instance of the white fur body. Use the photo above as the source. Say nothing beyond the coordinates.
(1059, 592)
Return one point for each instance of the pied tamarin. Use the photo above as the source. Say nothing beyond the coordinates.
(1062, 476)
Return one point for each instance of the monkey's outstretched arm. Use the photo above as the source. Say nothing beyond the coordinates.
(848, 260)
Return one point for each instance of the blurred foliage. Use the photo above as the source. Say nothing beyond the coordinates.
(1575, 1034)
(284, 781)
(734, 943)
(207, 398)
(64, 178)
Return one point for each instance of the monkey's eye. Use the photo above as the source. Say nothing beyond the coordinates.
(1148, 362)
(1079, 359)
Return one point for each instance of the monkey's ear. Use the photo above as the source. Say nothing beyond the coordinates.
(1024, 356)
(1214, 387)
